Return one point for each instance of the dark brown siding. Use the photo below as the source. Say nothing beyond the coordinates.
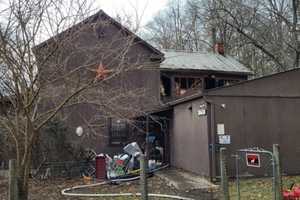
(261, 122)
(283, 84)
(140, 87)
(256, 113)
(189, 139)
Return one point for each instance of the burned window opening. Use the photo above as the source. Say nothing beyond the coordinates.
(165, 88)
(226, 82)
(183, 84)
(210, 82)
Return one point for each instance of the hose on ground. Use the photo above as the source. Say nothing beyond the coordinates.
(67, 191)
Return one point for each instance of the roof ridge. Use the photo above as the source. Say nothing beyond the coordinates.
(98, 14)
(183, 51)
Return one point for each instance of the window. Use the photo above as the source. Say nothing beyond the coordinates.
(165, 88)
(210, 82)
(183, 84)
(118, 131)
(225, 82)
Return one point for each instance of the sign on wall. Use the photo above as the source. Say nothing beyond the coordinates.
(202, 110)
(224, 139)
(220, 129)
(253, 160)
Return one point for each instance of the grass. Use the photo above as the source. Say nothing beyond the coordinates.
(259, 188)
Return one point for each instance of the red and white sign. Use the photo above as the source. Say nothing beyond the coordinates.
(253, 160)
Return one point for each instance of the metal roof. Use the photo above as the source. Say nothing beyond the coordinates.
(181, 60)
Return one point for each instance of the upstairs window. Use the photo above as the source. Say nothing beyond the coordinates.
(183, 84)
(226, 82)
(165, 87)
(210, 82)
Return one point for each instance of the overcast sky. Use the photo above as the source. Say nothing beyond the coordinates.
(114, 7)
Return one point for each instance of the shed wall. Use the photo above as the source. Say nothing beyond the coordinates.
(189, 139)
(285, 84)
(261, 122)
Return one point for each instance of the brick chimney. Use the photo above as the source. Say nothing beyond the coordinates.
(219, 48)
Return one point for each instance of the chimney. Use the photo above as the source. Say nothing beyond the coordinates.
(213, 39)
(219, 48)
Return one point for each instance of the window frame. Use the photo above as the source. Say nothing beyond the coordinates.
(117, 139)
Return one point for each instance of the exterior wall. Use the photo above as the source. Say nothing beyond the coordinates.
(189, 139)
(127, 93)
(261, 122)
(285, 84)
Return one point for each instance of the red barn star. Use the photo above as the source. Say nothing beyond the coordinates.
(101, 72)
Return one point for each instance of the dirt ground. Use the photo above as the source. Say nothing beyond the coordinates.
(50, 189)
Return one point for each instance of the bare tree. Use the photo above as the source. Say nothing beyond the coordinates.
(178, 27)
(79, 65)
(263, 34)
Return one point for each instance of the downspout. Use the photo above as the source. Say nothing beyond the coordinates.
(212, 141)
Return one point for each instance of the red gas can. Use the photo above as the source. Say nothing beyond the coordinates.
(100, 167)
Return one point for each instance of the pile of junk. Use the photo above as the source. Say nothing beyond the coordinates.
(121, 168)
(127, 164)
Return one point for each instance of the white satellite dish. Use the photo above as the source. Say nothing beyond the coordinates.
(79, 131)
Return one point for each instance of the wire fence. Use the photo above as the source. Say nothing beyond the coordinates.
(253, 163)
(67, 169)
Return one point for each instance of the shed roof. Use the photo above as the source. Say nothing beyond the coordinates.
(182, 60)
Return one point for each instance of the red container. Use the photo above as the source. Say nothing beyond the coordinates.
(297, 192)
(289, 195)
(286, 195)
(100, 167)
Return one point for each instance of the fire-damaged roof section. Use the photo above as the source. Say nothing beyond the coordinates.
(182, 60)
(281, 85)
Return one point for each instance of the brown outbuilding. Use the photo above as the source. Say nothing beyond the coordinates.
(253, 113)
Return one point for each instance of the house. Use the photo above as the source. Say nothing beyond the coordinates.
(164, 77)
(99, 40)
(253, 113)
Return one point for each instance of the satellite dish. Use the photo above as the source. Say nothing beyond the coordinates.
(79, 131)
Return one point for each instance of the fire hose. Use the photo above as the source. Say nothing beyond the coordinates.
(68, 191)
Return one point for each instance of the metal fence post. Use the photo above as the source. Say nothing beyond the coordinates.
(143, 177)
(13, 181)
(237, 176)
(224, 177)
(277, 175)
